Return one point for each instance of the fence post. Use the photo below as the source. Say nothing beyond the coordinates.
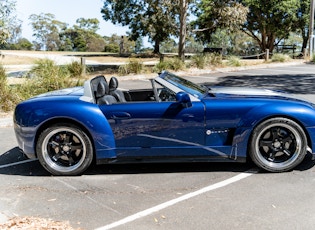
(83, 65)
(267, 55)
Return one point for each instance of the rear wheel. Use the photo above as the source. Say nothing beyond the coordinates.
(64, 149)
(278, 145)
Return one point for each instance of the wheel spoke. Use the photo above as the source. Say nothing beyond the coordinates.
(275, 133)
(75, 147)
(70, 159)
(287, 139)
(56, 157)
(287, 152)
(272, 154)
(265, 143)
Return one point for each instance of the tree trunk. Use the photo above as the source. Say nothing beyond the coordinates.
(305, 37)
(156, 47)
(182, 32)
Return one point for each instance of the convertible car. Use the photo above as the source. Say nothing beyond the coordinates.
(174, 120)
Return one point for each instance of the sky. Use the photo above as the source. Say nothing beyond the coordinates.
(67, 11)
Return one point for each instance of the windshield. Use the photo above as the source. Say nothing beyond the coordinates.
(184, 84)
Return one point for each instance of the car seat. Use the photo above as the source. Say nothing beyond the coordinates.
(113, 85)
(102, 94)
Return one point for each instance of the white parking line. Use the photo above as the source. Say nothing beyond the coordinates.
(177, 200)
(17, 163)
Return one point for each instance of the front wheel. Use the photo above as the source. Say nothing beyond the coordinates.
(278, 145)
(64, 150)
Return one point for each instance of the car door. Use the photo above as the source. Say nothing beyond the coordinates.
(156, 128)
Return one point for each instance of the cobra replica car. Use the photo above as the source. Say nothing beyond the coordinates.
(174, 120)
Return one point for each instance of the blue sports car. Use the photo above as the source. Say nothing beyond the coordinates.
(174, 120)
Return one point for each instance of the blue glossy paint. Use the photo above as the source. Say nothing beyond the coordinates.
(154, 125)
(214, 127)
(33, 114)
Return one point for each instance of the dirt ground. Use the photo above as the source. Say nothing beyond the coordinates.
(32, 223)
(19, 57)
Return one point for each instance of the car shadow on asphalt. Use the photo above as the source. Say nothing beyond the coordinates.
(13, 162)
(295, 84)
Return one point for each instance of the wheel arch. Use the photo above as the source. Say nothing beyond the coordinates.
(307, 135)
(63, 120)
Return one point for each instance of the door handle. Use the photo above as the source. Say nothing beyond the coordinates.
(120, 116)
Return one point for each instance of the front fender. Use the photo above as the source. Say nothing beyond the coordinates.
(302, 113)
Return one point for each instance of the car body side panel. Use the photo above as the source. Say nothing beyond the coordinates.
(156, 129)
(230, 121)
(29, 117)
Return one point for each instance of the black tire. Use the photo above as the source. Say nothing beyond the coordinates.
(64, 149)
(278, 145)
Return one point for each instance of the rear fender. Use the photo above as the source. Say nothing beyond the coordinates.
(31, 120)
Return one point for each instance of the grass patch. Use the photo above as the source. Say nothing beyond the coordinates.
(44, 77)
(280, 57)
(47, 76)
(76, 70)
(134, 66)
(8, 95)
(169, 64)
(234, 61)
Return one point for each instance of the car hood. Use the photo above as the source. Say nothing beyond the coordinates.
(245, 91)
(75, 91)
(219, 91)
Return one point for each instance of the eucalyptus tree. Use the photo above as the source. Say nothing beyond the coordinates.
(303, 15)
(157, 19)
(269, 22)
(46, 30)
(10, 26)
(82, 36)
(214, 15)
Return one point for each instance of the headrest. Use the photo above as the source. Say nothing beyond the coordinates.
(113, 83)
(102, 89)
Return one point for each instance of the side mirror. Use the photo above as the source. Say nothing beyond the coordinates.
(183, 99)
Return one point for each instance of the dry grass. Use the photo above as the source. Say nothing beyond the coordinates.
(111, 59)
(17, 60)
(35, 223)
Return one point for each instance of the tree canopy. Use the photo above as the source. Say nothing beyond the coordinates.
(46, 31)
(268, 22)
(218, 14)
(10, 26)
(153, 18)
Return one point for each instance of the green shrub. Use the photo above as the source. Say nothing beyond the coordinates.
(280, 57)
(169, 64)
(234, 61)
(214, 59)
(47, 76)
(75, 69)
(176, 64)
(134, 66)
(199, 60)
(8, 96)
(203, 60)
(159, 67)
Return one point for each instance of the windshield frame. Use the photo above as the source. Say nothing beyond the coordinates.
(184, 84)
